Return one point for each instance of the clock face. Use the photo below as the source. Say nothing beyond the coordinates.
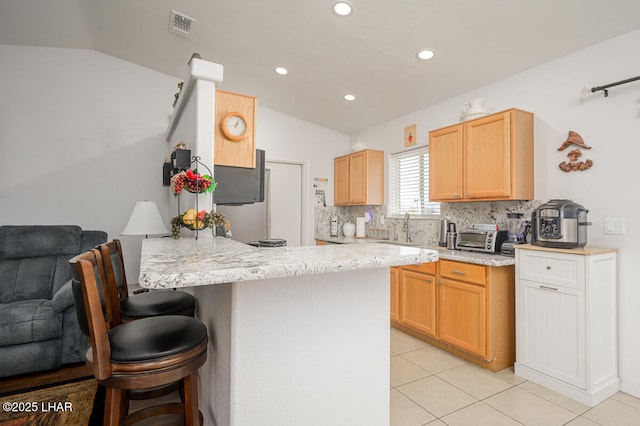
(235, 126)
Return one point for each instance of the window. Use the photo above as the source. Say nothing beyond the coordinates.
(409, 183)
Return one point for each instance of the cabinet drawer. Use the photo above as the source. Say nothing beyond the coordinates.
(559, 269)
(469, 272)
(425, 268)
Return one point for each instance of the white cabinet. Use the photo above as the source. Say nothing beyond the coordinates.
(566, 321)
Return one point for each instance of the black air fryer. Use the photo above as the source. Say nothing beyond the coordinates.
(560, 224)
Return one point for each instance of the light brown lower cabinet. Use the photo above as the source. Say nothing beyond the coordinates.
(418, 297)
(463, 308)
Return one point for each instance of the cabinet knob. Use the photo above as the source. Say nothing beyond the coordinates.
(440, 282)
(467, 195)
(548, 268)
(458, 196)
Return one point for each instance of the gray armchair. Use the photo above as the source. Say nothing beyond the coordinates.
(38, 325)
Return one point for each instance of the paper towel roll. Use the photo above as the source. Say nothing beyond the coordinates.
(360, 227)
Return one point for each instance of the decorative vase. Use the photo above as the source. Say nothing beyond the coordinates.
(349, 229)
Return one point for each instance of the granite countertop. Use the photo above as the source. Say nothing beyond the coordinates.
(486, 259)
(457, 255)
(168, 263)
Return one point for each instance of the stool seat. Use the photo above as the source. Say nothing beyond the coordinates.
(151, 338)
(156, 303)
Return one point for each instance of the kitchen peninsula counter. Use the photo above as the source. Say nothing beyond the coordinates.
(298, 335)
(188, 262)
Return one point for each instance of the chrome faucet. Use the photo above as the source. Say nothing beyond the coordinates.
(406, 227)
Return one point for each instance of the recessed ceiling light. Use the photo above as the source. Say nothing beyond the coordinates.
(426, 54)
(349, 97)
(282, 71)
(343, 8)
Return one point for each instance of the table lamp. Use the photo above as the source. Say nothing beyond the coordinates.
(145, 220)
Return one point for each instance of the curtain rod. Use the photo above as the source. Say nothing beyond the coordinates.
(617, 83)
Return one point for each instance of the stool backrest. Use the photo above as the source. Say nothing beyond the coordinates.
(97, 308)
(113, 262)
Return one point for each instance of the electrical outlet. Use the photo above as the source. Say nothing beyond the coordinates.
(614, 225)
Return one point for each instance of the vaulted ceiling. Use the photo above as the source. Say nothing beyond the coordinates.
(371, 53)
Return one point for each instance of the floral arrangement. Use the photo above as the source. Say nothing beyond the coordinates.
(194, 220)
(193, 182)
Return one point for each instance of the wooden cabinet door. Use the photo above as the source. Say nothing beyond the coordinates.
(358, 178)
(488, 157)
(445, 163)
(235, 153)
(341, 180)
(551, 331)
(418, 301)
(463, 315)
(395, 294)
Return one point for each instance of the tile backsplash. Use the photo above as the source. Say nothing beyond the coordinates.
(424, 231)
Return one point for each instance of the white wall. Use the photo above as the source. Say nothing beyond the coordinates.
(610, 125)
(82, 138)
(289, 139)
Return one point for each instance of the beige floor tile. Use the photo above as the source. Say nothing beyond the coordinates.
(403, 371)
(478, 414)
(433, 359)
(437, 423)
(551, 396)
(625, 398)
(405, 412)
(581, 421)
(529, 409)
(436, 396)
(476, 381)
(509, 376)
(614, 413)
(402, 343)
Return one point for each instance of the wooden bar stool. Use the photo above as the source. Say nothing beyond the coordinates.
(145, 354)
(146, 304)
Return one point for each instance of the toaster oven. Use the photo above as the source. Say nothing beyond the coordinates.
(487, 241)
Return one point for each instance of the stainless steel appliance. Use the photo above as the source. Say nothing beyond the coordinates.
(444, 228)
(251, 223)
(480, 237)
(517, 230)
(452, 236)
(560, 224)
(240, 185)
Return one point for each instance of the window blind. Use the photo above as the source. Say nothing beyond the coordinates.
(409, 183)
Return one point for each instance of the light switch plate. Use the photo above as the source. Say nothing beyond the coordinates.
(614, 225)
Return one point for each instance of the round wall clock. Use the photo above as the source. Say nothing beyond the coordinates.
(234, 126)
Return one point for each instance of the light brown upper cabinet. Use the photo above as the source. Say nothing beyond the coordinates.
(489, 158)
(234, 134)
(359, 178)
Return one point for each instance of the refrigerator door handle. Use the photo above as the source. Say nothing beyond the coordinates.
(267, 196)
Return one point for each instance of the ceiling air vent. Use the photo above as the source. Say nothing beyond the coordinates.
(180, 24)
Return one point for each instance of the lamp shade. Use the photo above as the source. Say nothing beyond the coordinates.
(145, 220)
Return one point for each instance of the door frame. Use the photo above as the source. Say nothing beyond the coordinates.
(304, 195)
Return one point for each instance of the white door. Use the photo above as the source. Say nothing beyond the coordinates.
(286, 201)
(283, 195)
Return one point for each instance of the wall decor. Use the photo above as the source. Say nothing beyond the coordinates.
(410, 136)
(574, 164)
